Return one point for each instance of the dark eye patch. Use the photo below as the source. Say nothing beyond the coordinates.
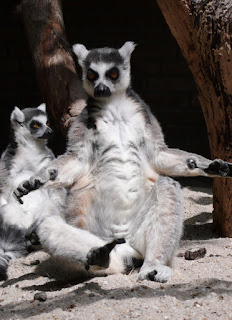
(113, 73)
(35, 124)
(92, 75)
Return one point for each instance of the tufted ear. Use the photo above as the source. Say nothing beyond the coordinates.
(17, 115)
(126, 50)
(42, 107)
(81, 52)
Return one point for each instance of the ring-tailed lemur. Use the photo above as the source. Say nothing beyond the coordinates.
(26, 153)
(116, 170)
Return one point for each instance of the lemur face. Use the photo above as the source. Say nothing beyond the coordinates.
(106, 71)
(32, 122)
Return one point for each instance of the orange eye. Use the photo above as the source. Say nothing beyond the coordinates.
(92, 75)
(35, 125)
(48, 124)
(113, 75)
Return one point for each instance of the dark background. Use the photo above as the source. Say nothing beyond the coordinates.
(159, 72)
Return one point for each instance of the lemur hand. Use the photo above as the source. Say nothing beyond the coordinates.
(217, 167)
(34, 183)
(100, 256)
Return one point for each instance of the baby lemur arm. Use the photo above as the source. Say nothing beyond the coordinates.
(60, 172)
(174, 162)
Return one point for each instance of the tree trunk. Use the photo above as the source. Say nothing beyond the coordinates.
(53, 60)
(203, 30)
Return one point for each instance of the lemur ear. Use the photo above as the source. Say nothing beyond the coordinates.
(126, 50)
(42, 107)
(81, 52)
(17, 115)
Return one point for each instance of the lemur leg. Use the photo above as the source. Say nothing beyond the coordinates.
(74, 244)
(174, 162)
(157, 230)
(13, 225)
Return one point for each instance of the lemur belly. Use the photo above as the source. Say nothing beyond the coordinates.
(122, 182)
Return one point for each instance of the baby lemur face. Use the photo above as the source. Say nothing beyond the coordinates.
(106, 71)
(31, 122)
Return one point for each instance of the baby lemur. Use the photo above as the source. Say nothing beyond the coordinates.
(116, 170)
(26, 153)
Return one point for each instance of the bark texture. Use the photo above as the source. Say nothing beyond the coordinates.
(203, 30)
(53, 60)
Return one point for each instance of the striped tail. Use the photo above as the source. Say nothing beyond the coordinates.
(12, 245)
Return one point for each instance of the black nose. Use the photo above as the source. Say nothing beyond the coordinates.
(102, 91)
(47, 134)
(49, 131)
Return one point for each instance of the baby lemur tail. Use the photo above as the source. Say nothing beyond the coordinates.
(12, 245)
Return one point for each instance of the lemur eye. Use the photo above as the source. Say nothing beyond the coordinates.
(48, 124)
(113, 74)
(92, 75)
(35, 124)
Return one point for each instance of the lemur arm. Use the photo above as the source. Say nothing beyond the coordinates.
(174, 162)
(60, 172)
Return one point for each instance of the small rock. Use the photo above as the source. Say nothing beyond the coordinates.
(41, 296)
(193, 255)
(91, 295)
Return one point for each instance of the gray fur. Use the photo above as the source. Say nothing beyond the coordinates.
(116, 170)
(27, 151)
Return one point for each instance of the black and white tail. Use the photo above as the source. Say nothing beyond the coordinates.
(12, 245)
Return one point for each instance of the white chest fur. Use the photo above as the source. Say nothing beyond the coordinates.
(121, 161)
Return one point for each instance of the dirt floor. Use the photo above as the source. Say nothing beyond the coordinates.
(199, 289)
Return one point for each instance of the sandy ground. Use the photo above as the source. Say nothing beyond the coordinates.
(199, 289)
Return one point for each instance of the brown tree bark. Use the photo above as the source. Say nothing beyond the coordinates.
(53, 60)
(203, 30)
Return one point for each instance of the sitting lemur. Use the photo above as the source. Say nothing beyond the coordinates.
(26, 153)
(121, 203)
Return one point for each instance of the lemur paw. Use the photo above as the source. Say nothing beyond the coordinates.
(32, 239)
(25, 187)
(159, 273)
(34, 183)
(220, 168)
(100, 256)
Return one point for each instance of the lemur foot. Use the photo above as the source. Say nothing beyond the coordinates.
(217, 167)
(32, 184)
(32, 241)
(159, 273)
(100, 256)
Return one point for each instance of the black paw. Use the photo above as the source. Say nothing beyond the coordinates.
(151, 275)
(191, 163)
(32, 241)
(100, 256)
(25, 187)
(219, 167)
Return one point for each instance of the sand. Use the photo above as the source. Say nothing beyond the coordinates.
(199, 289)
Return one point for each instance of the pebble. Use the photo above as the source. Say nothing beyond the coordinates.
(41, 296)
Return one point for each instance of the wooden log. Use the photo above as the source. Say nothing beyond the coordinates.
(53, 60)
(203, 30)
